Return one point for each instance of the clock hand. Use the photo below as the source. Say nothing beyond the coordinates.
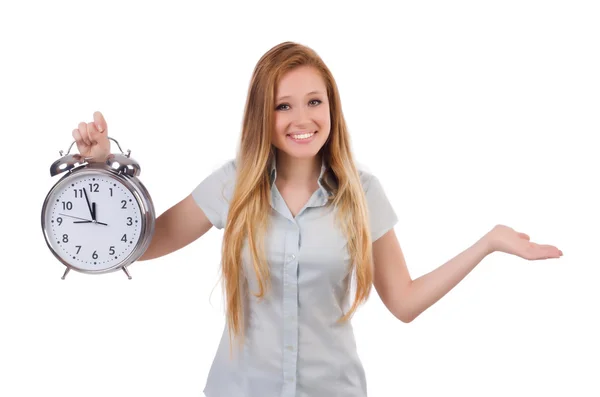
(96, 215)
(100, 223)
(83, 220)
(76, 217)
(88, 204)
(94, 211)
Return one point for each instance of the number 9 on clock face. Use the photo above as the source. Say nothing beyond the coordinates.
(93, 220)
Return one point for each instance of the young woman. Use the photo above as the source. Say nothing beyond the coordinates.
(300, 220)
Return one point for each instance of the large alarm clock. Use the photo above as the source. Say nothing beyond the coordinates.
(99, 217)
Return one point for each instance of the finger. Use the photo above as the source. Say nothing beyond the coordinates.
(543, 251)
(77, 137)
(92, 132)
(83, 131)
(524, 236)
(100, 122)
(95, 136)
(551, 249)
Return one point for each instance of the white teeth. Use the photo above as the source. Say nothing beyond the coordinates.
(302, 136)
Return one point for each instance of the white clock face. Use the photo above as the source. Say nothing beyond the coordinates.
(93, 221)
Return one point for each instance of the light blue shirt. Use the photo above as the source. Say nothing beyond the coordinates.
(293, 346)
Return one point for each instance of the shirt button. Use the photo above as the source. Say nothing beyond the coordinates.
(290, 348)
(291, 257)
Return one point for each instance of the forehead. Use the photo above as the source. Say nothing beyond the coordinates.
(300, 81)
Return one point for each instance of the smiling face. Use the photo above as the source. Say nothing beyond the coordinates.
(301, 109)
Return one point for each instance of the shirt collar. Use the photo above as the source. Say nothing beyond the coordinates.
(273, 173)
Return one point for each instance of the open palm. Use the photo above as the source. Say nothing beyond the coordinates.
(505, 239)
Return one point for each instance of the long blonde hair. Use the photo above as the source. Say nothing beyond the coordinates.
(250, 206)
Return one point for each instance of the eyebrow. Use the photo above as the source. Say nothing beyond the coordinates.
(310, 93)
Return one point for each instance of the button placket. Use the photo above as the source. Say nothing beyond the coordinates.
(290, 312)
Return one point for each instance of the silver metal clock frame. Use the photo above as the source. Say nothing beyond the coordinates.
(121, 168)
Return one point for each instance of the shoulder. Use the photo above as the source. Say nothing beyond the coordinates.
(214, 192)
(219, 179)
(227, 168)
(366, 176)
(382, 216)
(222, 173)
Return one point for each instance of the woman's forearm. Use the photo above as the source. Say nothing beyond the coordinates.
(429, 288)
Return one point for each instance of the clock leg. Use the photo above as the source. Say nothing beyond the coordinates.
(65, 273)
(126, 272)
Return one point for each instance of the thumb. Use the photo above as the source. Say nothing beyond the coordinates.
(524, 236)
(100, 122)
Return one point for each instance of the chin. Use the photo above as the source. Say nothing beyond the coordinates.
(302, 149)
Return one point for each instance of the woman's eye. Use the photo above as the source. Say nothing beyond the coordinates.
(285, 104)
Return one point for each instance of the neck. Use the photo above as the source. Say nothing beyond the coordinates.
(297, 171)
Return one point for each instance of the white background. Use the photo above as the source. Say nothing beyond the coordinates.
(471, 113)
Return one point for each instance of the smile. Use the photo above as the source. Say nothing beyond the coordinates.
(302, 137)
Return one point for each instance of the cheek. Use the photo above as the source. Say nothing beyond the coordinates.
(281, 121)
(325, 121)
(279, 129)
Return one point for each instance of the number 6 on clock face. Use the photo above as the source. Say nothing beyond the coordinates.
(96, 220)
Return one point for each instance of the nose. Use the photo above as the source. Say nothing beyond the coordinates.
(302, 117)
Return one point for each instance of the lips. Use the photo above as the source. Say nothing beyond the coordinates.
(300, 133)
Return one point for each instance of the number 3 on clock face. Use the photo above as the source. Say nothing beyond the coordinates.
(93, 221)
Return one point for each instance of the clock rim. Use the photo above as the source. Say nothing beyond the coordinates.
(140, 193)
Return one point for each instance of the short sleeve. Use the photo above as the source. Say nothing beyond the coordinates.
(381, 213)
(214, 193)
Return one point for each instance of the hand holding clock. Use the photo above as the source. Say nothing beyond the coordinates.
(92, 139)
